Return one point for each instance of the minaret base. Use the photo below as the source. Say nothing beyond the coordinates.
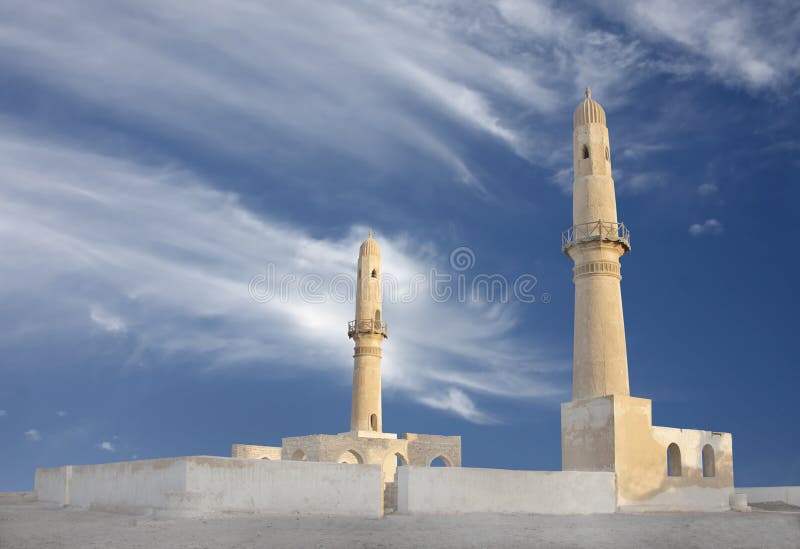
(616, 433)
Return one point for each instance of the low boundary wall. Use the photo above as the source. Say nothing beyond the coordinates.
(786, 494)
(52, 484)
(202, 485)
(442, 490)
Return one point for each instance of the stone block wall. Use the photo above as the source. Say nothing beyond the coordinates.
(251, 451)
(423, 449)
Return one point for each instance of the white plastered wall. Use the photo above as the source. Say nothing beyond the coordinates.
(443, 490)
(207, 485)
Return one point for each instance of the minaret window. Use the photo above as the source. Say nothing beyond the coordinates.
(373, 422)
(608, 156)
(374, 273)
(585, 152)
(378, 315)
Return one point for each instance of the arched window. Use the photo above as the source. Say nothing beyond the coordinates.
(299, 455)
(377, 315)
(585, 151)
(440, 461)
(608, 155)
(374, 273)
(709, 465)
(373, 422)
(351, 457)
(673, 460)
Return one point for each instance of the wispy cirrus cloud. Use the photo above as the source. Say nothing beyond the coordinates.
(174, 257)
(353, 78)
(248, 82)
(739, 43)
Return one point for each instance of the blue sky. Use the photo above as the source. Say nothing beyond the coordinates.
(157, 158)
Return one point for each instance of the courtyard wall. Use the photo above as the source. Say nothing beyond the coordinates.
(443, 490)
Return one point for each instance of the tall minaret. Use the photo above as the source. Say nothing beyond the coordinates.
(595, 243)
(368, 331)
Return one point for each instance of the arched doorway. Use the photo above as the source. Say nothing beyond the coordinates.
(440, 461)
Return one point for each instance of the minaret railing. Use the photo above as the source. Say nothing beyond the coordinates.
(596, 230)
(367, 326)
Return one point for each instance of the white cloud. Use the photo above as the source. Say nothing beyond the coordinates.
(167, 252)
(358, 78)
(33, 435)
(563, 179)
(582, 54)
(61, 413)
(707, 188)
(641, 182)
(367, 80)
(3, 413)
(708, 227)
(458, 403)
(106, 320)
(738, 43)
(107, 446)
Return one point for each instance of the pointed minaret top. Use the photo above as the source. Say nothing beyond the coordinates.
(589, 111)
(369, 246)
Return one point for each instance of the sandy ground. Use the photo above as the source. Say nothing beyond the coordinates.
(25, 523)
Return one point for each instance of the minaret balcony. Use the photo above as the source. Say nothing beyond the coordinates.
(610, 231)
(368, 326)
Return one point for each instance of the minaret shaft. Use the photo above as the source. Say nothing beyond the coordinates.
(595, 243)
(368, 331)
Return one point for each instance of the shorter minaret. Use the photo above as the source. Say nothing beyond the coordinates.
(368, 331)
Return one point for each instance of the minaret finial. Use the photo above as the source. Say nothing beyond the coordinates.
(588, 92)
(370, 232)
